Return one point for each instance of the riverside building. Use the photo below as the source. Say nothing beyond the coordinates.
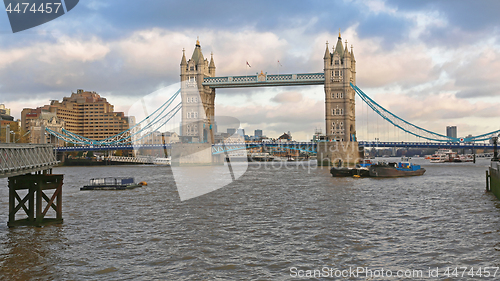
(84, 113)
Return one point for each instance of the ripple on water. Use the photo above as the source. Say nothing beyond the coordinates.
(257, 227)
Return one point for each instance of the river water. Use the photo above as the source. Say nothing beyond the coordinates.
(267, 225)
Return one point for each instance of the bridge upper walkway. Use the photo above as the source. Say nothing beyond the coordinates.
(264, 80)
(18, 159)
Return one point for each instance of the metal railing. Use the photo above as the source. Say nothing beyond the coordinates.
(18, 159)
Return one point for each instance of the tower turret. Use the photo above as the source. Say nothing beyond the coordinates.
(211, 67)
(183, 64)
(183, 60)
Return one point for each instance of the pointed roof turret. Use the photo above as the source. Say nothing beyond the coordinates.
(346, 51)
(183, 60)
(339, 49)
(212, 64)
(327, 52)
(197, 54)
(352, 53)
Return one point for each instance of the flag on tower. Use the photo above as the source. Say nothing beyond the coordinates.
(248, 64)
(279, 63)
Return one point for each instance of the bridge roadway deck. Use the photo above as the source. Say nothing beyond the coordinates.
(19, 159)
(217, 148)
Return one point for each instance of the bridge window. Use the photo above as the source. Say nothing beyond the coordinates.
(341, 111)
(337, 73)
(337, 62)
(341, 95)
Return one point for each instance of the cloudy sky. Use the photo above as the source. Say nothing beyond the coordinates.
(433, 63)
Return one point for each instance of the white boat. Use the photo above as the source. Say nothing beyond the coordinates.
(261, 157)
(439, 158)
(161, 161)
(447, 155)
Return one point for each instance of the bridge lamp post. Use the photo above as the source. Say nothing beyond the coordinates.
(14, 138)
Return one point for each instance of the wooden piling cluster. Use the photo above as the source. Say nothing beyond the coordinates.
(36, 185)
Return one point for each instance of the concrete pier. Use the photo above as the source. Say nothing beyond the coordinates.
(191, 154)
(330, 153)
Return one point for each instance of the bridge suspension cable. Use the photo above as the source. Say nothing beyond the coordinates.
(413, 129)
(136, 133)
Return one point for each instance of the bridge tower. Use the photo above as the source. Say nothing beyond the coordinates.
(340, 71)
(198, 108)
(340, 115)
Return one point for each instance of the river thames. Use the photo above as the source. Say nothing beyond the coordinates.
(270, 224)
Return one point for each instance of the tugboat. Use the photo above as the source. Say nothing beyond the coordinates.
(400, 169)
(112, 184)
(494, 171)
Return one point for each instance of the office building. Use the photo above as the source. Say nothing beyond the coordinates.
(258, 133)
(451, 131)
(84, 113)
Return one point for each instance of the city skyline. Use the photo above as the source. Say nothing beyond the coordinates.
(432, 63)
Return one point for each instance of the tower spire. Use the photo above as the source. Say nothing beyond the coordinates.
(212, 64)
(327, 52)
(183, 60)
(339, 34)
(339, 49)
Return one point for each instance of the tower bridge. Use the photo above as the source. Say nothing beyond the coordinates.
(198, 85)
(197, 107)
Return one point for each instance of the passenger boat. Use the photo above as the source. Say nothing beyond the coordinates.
(162, 161)
(438, 158)
(112, 184)
(260, 157)
(400, 169)
(447, 155)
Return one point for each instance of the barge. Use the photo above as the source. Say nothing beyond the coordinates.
(112, 184)
(392, 170)
(379, 170)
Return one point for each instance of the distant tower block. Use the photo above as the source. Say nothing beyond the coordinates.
(197, 100)
(340, 71)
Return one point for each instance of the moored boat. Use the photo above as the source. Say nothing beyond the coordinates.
(361, 170)
(400, 169)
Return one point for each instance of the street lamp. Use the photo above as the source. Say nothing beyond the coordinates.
(13, 133)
